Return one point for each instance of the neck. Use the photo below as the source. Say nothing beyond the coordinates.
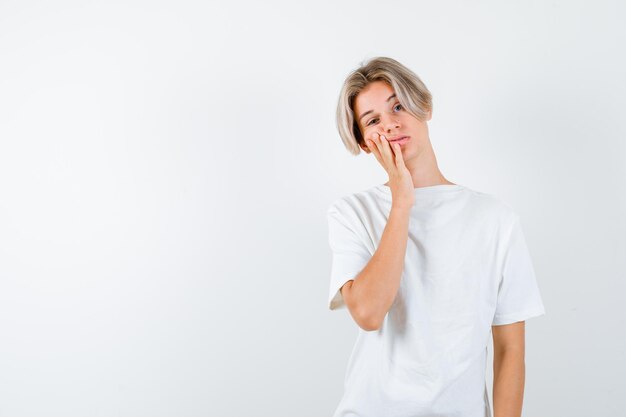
(424, 169)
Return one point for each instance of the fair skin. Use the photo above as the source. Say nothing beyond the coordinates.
(509, 369)
(387, 120)
(412, 165)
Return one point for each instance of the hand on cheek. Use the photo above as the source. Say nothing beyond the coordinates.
(371, 142)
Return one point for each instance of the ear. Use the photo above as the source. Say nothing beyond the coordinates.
(430, 115)
(364, 147)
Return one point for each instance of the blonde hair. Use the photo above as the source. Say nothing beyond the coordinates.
(409, 88)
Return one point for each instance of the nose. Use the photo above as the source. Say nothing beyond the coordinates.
(389, 122)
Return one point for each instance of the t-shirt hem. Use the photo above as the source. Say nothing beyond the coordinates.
(336, 300)
(515, 317)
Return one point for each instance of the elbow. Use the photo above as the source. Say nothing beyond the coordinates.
(361, 314)
(369, 323)
(370, 327)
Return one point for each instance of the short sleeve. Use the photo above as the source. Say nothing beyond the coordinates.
(518, 293)
(349, 255)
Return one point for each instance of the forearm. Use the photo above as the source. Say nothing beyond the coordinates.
(508, 383)
(377, 285)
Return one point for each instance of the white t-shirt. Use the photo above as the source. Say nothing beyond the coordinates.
(466, 268)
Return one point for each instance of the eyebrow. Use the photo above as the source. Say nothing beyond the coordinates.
(369, 111)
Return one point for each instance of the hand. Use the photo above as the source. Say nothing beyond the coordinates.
(390, 157)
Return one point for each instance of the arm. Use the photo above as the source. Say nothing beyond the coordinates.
(370, 295)
(509, 369)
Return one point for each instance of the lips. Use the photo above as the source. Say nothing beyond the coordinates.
(396, 138)
(399, 139)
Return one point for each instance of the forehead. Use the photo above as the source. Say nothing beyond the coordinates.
(375, 94)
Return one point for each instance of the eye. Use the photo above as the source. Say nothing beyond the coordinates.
(396, 106)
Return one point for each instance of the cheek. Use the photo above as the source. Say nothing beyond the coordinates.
(369, 129)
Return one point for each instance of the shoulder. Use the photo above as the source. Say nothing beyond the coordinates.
(355, 204)
(492, 206)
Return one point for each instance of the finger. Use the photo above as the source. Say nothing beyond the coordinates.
(386, 151)
(377, 149)
(377, 141)
(398, 153)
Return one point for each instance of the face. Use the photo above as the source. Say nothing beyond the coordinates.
(384, 115)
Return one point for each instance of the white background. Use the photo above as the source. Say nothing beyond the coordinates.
(165, 168)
